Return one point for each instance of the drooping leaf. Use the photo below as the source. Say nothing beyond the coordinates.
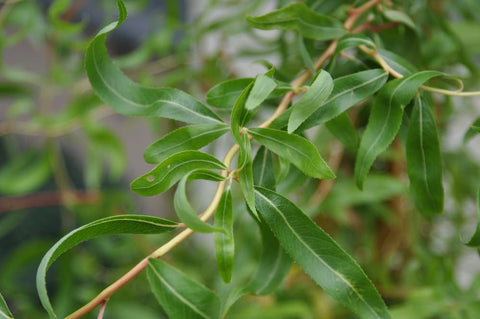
(475, 240)
(398, 63)
(385, 119)
(191, 137)
(4, 311)
(185, 211)
(472, 131)
(347, 91)
(122, 224)
(322, 86)
(262, 168)
(424, 162)
(263, 86)
(299, 17)
(24, 173)
(320, 256)
(342, 128)
(224, 94)
(129, 98)
(171, 170)
(353, 41)
(273, 266)
(240, 115)
(180, 296)
(307, 59)
(245, 175)
(224, 241)
(294, 148)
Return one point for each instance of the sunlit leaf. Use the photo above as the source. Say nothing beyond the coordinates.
(224, 241)
(180, 296)
(122, 224)
(385, 119)
(294, 148)
(185, 138)
(260, 91)
(424, 161)
(320, 256)
(171, 170)
(299, 17)
(313, 99)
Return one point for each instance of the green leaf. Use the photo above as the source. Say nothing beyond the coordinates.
(273, 266)
(56, 9)
(398, 63)
(299, 17)
(260, 91)
(472, 131)
(129, 98)
(385, 119)
(475, 240)
(224, 94)
(224, 241)
(320, 256)
(322, 86)
(424, 162)
(262, 169)
(245, 175)
(307, 59)
(342, 128)
(180, 296)
(206, 174)
(4, 311)
(347, 91)
(353, 41)
(24, 173)
(171, 170)
(294, 148)
(122, 224)
(240, 115)
(185, 138)
(399, 16)
(186, 213)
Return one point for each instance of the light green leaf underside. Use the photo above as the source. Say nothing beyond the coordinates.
(294, 148)
(261, 89)
(424, 162)
(191, 137)
(171, 170)
(122, 224)
(180, 296)
(320, 256)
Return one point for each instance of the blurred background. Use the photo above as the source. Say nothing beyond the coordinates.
(67, 159)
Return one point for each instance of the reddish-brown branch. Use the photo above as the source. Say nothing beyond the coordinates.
(375, 28)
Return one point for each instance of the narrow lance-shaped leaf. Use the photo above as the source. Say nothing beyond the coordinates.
(424, 162)
(342, 128)
(180, 296)
(240, 115)
(185, 138)
(4, 311)
(472, 131)
(224, 241)
(224, 94)
(245, 175)
(122, 224)
(263, 172)
(301, 18)
(347, 91)
(307, 59)
(475, 240)
(385, 119)
(261, 89)
(171, 170)
(294, 148)
(352, 41)
(130, 98)
(313, 99)
(320, 256)
(186, 213)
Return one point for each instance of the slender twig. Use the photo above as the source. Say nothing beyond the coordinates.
(102, 309)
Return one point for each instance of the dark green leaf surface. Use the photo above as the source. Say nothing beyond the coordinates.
(129, 98)
(320, 256)
(342, 128)
(263, 172)
(424, 162)
(302, 19)
(385, 119)
(347, 91)
(224, 241)
(240, 115)
(396, 62)
(4, 311)
(399, 16)
(260, 91)
(224, 94)
(122, 224)
(273, 266)
(307, 59)
(171, 170)
(185, 138)
(245, 175)
(294, 148)
(180, 296)
(353, 41)
(475, 240)
(318, 92)
(185, 211)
